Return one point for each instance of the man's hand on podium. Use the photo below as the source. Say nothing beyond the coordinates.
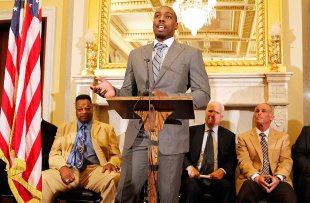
(103, 88)
(159, 93)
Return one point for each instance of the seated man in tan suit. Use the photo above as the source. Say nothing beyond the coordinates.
(84, 154)
(264, 158)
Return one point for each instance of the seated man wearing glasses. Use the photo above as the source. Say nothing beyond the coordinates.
(84, 154)
(209, 166)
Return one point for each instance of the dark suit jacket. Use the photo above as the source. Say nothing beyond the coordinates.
(48, 132)
(182, 68)
(301, 157)
(227, 158)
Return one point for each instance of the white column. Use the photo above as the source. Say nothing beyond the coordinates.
(76, 51)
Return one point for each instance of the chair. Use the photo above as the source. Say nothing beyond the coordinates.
(182, 194)
(265, 201)
(78, 195)
(144, 198)
(205, 198)
(6, 195)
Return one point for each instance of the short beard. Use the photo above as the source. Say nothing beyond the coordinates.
(160, 36)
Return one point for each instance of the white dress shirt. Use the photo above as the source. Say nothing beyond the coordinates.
(167, 42)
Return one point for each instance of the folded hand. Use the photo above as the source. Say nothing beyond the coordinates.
(193, 172)
(267, 182)
(109, 168)
(67, 175)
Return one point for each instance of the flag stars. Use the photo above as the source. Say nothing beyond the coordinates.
(15, 8)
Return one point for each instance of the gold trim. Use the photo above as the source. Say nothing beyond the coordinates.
(104, 33)
(261, 44)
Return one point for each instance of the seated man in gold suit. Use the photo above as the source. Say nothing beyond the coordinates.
(84, 154)
(264, 157)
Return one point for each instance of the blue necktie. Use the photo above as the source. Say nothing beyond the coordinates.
(79, 150)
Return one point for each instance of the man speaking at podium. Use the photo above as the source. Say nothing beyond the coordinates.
(164, 67)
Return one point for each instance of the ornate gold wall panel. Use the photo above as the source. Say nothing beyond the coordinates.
(237, 38)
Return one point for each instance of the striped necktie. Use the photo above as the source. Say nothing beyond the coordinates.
(80, 148)
(158, 57)
(266, 166)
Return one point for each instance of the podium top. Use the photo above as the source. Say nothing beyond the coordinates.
(180, 106)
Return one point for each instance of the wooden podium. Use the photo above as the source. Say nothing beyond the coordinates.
(154, 112)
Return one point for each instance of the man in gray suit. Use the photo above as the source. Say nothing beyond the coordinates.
(181, 67)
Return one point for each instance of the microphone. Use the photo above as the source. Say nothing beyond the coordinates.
(147, 83)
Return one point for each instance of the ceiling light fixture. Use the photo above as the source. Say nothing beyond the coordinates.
(194, 14)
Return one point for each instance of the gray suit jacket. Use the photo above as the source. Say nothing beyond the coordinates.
(182, 68)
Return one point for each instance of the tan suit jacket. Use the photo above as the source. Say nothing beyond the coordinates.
(250, 156)
(104, 142)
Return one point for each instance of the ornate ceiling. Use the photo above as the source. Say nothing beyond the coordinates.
(231, 36)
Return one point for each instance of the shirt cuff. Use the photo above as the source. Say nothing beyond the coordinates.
(281, 177)
(223, 170)
(189, 167)
(254, 176)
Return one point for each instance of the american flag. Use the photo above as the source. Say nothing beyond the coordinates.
(20, 136)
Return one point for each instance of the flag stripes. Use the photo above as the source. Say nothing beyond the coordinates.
(10, 75)
(20, 141)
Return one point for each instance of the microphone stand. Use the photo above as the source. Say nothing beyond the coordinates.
(152, 133)
(147, 91)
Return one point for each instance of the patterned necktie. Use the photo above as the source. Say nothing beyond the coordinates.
(79, 150)
(208, 160)
(266, 166)
(158, 57)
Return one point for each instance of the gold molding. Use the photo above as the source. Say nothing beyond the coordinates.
(261, 43)
(104, 34)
